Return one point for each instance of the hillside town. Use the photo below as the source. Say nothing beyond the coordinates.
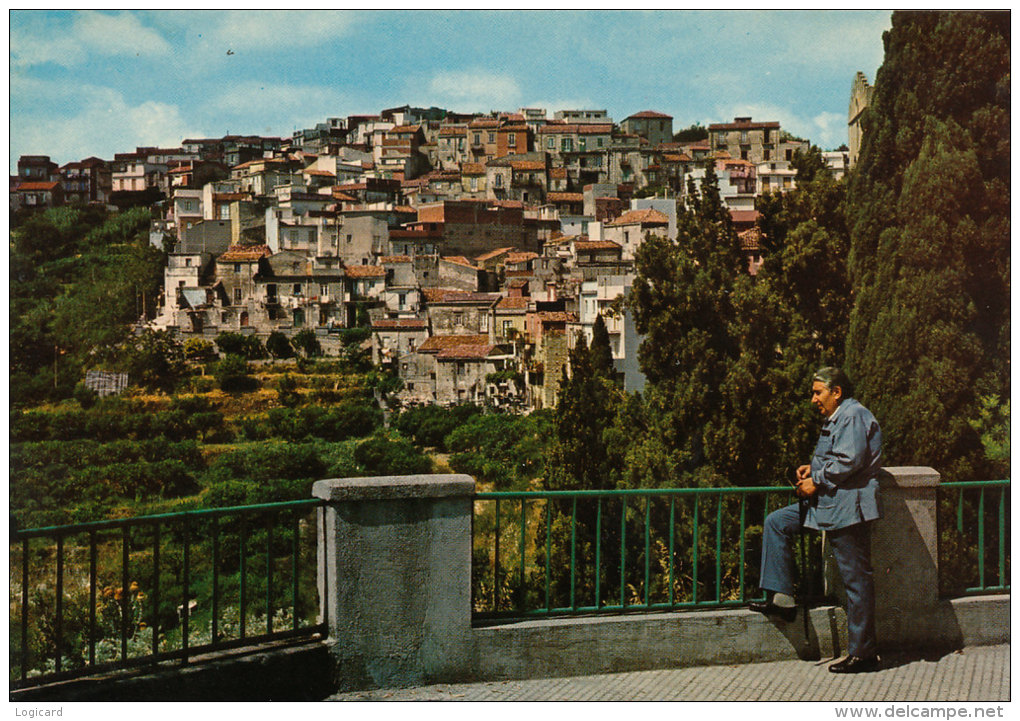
(477, 248)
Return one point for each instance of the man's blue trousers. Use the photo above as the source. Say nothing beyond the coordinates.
(852, 548)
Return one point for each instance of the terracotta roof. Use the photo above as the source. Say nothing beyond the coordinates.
(556, 316)
(565, 197)
(648, 216)
(437, 343)
(521, 257)
(337, 195)
(452, 130)
(491, 254)
(240, 253)
(558, 173)
(320, 173)
(579, 128)
(596, 245)
(512, 304)
(399, 324)
(527, 165)
(405, 129)
(365, 271)
(472, 169)
(459, 260)
(36, 185)
(449, 295)
(229, 197)
(743, 125)
(650, 114)
(744, 216)
(395, 259)
(466, 352)
(483, 123)
(698, 145)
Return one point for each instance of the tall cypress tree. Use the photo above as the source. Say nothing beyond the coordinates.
(929, 215)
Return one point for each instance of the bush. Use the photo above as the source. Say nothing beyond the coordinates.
(232, 375)
(428, 426)
(383, 455)
(279, 346)
(307, 343)
(247, 346)
(199, 350)
(286, 391)
(86, 397)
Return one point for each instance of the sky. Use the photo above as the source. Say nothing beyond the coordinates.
(86, 83)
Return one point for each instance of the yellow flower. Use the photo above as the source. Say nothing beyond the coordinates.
(143, 625)
(134, 587)
(140, 596)
(107, 592)
(119, 594)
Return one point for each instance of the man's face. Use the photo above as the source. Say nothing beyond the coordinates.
(825, 400)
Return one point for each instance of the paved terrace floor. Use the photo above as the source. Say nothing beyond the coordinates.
(978, 673)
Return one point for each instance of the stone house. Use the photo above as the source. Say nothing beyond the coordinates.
(655, 127)
(746, 139)
(394, 340)
(456, 312)
(236, 273)
(630, 229)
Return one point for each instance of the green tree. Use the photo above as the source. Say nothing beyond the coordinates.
(278, 345)
(928, 207)
(691, 134)
(682, 301)
(601, 351)
(232, 373)
(154, 360)
(307, 343)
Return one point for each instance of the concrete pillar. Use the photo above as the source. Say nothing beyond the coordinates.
(395, 577)
(905, 554)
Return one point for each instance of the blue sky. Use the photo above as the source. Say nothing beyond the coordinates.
(94, 83)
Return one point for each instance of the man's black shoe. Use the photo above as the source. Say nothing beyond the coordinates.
(855, 664)
(787, 613)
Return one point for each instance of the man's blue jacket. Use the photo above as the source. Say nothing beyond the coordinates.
(845, 468)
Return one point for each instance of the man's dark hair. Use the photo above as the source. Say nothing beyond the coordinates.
(832, 377)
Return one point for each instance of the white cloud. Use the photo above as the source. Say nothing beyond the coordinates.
(474, 90)
(90, 33)
(272, 29)
(102, 123)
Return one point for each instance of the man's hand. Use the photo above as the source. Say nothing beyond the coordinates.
(806, 487)
(803, 472)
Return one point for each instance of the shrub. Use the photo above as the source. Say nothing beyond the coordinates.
(286, 391)
(232, 375)
(279, 346)
(199, 350)
(86, 397)
(247, 346)
(307, 343)
(383, 455)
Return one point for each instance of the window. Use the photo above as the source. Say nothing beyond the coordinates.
(511, 139)
(237, 296)
(492, 137)
(507, 327)
(478, 139)
(460, 143)
(567, 145)
(551, 143)
(458, 319)
(743, 137)
(474, 184)
(224, 211)
(582, 144)
(350, 238)
(187, 262)
(237, 267)
(323, 289)
(297, 289)
(766, 156)
(271, 293)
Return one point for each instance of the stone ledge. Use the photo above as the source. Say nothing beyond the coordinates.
(908, 477)
(394, 487)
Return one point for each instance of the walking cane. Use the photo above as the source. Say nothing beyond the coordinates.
(805, 575)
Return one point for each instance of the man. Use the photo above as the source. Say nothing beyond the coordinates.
(840, 486)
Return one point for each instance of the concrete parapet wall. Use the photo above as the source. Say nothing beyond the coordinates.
(397, 580)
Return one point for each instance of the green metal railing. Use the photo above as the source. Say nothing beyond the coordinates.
(93, 597)
(974, 556)
(544, 553)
